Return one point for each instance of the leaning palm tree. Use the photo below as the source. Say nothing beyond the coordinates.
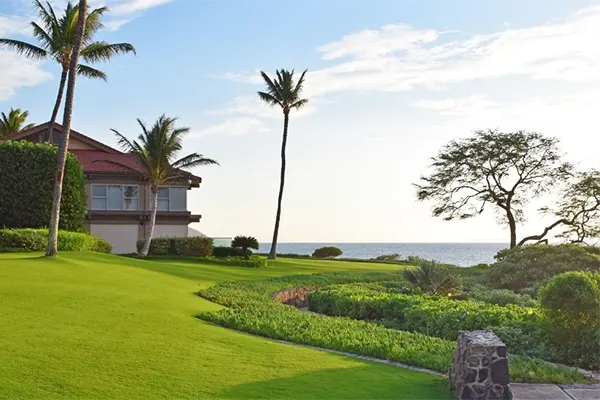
(285, 93)
(56, 38)
(155, 150)
(52, 248)
(13, 122)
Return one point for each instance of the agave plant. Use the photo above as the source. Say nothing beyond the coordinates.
(432, 279)
(245, 243)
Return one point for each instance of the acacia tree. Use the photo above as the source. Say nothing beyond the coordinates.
(13, 122)
(285, 93)
(52, 248)
(505, 171)
(56, 38)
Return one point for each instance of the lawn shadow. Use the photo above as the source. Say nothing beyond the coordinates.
(368, 381)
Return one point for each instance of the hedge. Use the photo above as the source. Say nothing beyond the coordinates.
(26, 240)
(253, 310)
(27, 172)
(223, 252)
(196, 246)
(253, 262)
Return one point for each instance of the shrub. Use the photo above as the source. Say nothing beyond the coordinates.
(222, 252)
(500, 297)
(327, 252)
(245, 243)
(26, 240)
(27, 186)
(387, 257)
(252, 310)
(531, 266)
(432, 279)
(250, 262)
(572, 299)
(195, 246)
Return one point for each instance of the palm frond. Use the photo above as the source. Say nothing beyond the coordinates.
(299, 85)
(90, 72)
(193, 160)
(299, 104)
(272, 87)
(26, 49)
(47, 16)
(269, 99)
(103, 51)
(93, 23)
(42, 36)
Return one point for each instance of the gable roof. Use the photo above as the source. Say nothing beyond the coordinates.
(59, 128)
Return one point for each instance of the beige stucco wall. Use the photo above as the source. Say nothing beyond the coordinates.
(122, 237)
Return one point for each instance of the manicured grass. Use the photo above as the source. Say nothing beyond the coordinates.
(100, 326)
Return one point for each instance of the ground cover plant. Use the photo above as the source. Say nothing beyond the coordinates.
(252, 309)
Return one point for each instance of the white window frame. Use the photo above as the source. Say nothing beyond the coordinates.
(169, 199)
(106, 185)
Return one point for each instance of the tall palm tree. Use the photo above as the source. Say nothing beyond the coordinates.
(156, 150)
(285, 93)
(52, 248)
(13, 122)
(56, 37)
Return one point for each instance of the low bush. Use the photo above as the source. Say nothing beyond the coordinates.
(251, 262)
(531, 266)
(431, 278)
(501, 297)
(387, 257)
(179, 246)
(222, 252)
(26, 240)
(245, 243)
(252, 310)
(327, 252)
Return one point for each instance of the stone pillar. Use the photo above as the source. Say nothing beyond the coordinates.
(479, 368)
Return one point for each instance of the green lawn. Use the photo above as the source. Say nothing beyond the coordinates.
(102, 326)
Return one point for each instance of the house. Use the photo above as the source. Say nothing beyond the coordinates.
(119, 199)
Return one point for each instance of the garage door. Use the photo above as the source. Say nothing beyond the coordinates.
(170, 230)
(122, 237)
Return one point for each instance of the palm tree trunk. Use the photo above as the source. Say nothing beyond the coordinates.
(273, 252)
(153, 207)
(61, 90)
(52, 248)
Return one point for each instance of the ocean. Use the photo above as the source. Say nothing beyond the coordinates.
(461, 254)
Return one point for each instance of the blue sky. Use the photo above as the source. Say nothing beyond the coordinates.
(389, 83)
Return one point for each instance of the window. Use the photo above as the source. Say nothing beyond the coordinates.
(172, 199)
(115, 197)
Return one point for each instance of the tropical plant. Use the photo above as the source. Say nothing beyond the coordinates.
(13, 122)
(245, 243)
(52, 249)
(431, 278)
(56, 39)
(285, 93)
(155, 150)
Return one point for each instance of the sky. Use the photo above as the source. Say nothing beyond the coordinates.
(388, 83)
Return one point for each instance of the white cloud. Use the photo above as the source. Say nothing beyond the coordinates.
(131, 6)
(13, 25)
(18, 72)
(234, 126)
(252, 106)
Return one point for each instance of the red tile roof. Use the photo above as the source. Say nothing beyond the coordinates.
(91, 160)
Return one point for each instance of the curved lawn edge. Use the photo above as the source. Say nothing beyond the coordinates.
(253, 310)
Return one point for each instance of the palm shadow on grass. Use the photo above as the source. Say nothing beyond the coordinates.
(367, 382)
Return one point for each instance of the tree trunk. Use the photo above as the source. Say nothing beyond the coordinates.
(273, 252)
(52, 248)
(61, 90)
(513, 228)
(153, 207)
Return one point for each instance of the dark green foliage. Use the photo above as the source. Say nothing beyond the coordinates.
(531, 266)
(25, 240)
(431, 278)
(327, 252)
(27, 184)
(251, 309)
(250, 262)
(179, 246)
(245, 243)
(387, 257)
(223, 251)
(500, 297)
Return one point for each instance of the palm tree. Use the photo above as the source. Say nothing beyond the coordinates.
(156, 149)
(285, 93)
(52, 248)
(56, 38)
(13, 122)
(245, 243)
(432, 278)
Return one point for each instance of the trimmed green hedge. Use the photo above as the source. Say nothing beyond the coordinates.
(27, 172)
(253, 262)
(253, 310)
(224, 252)
(195, 246)
(26, 240)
